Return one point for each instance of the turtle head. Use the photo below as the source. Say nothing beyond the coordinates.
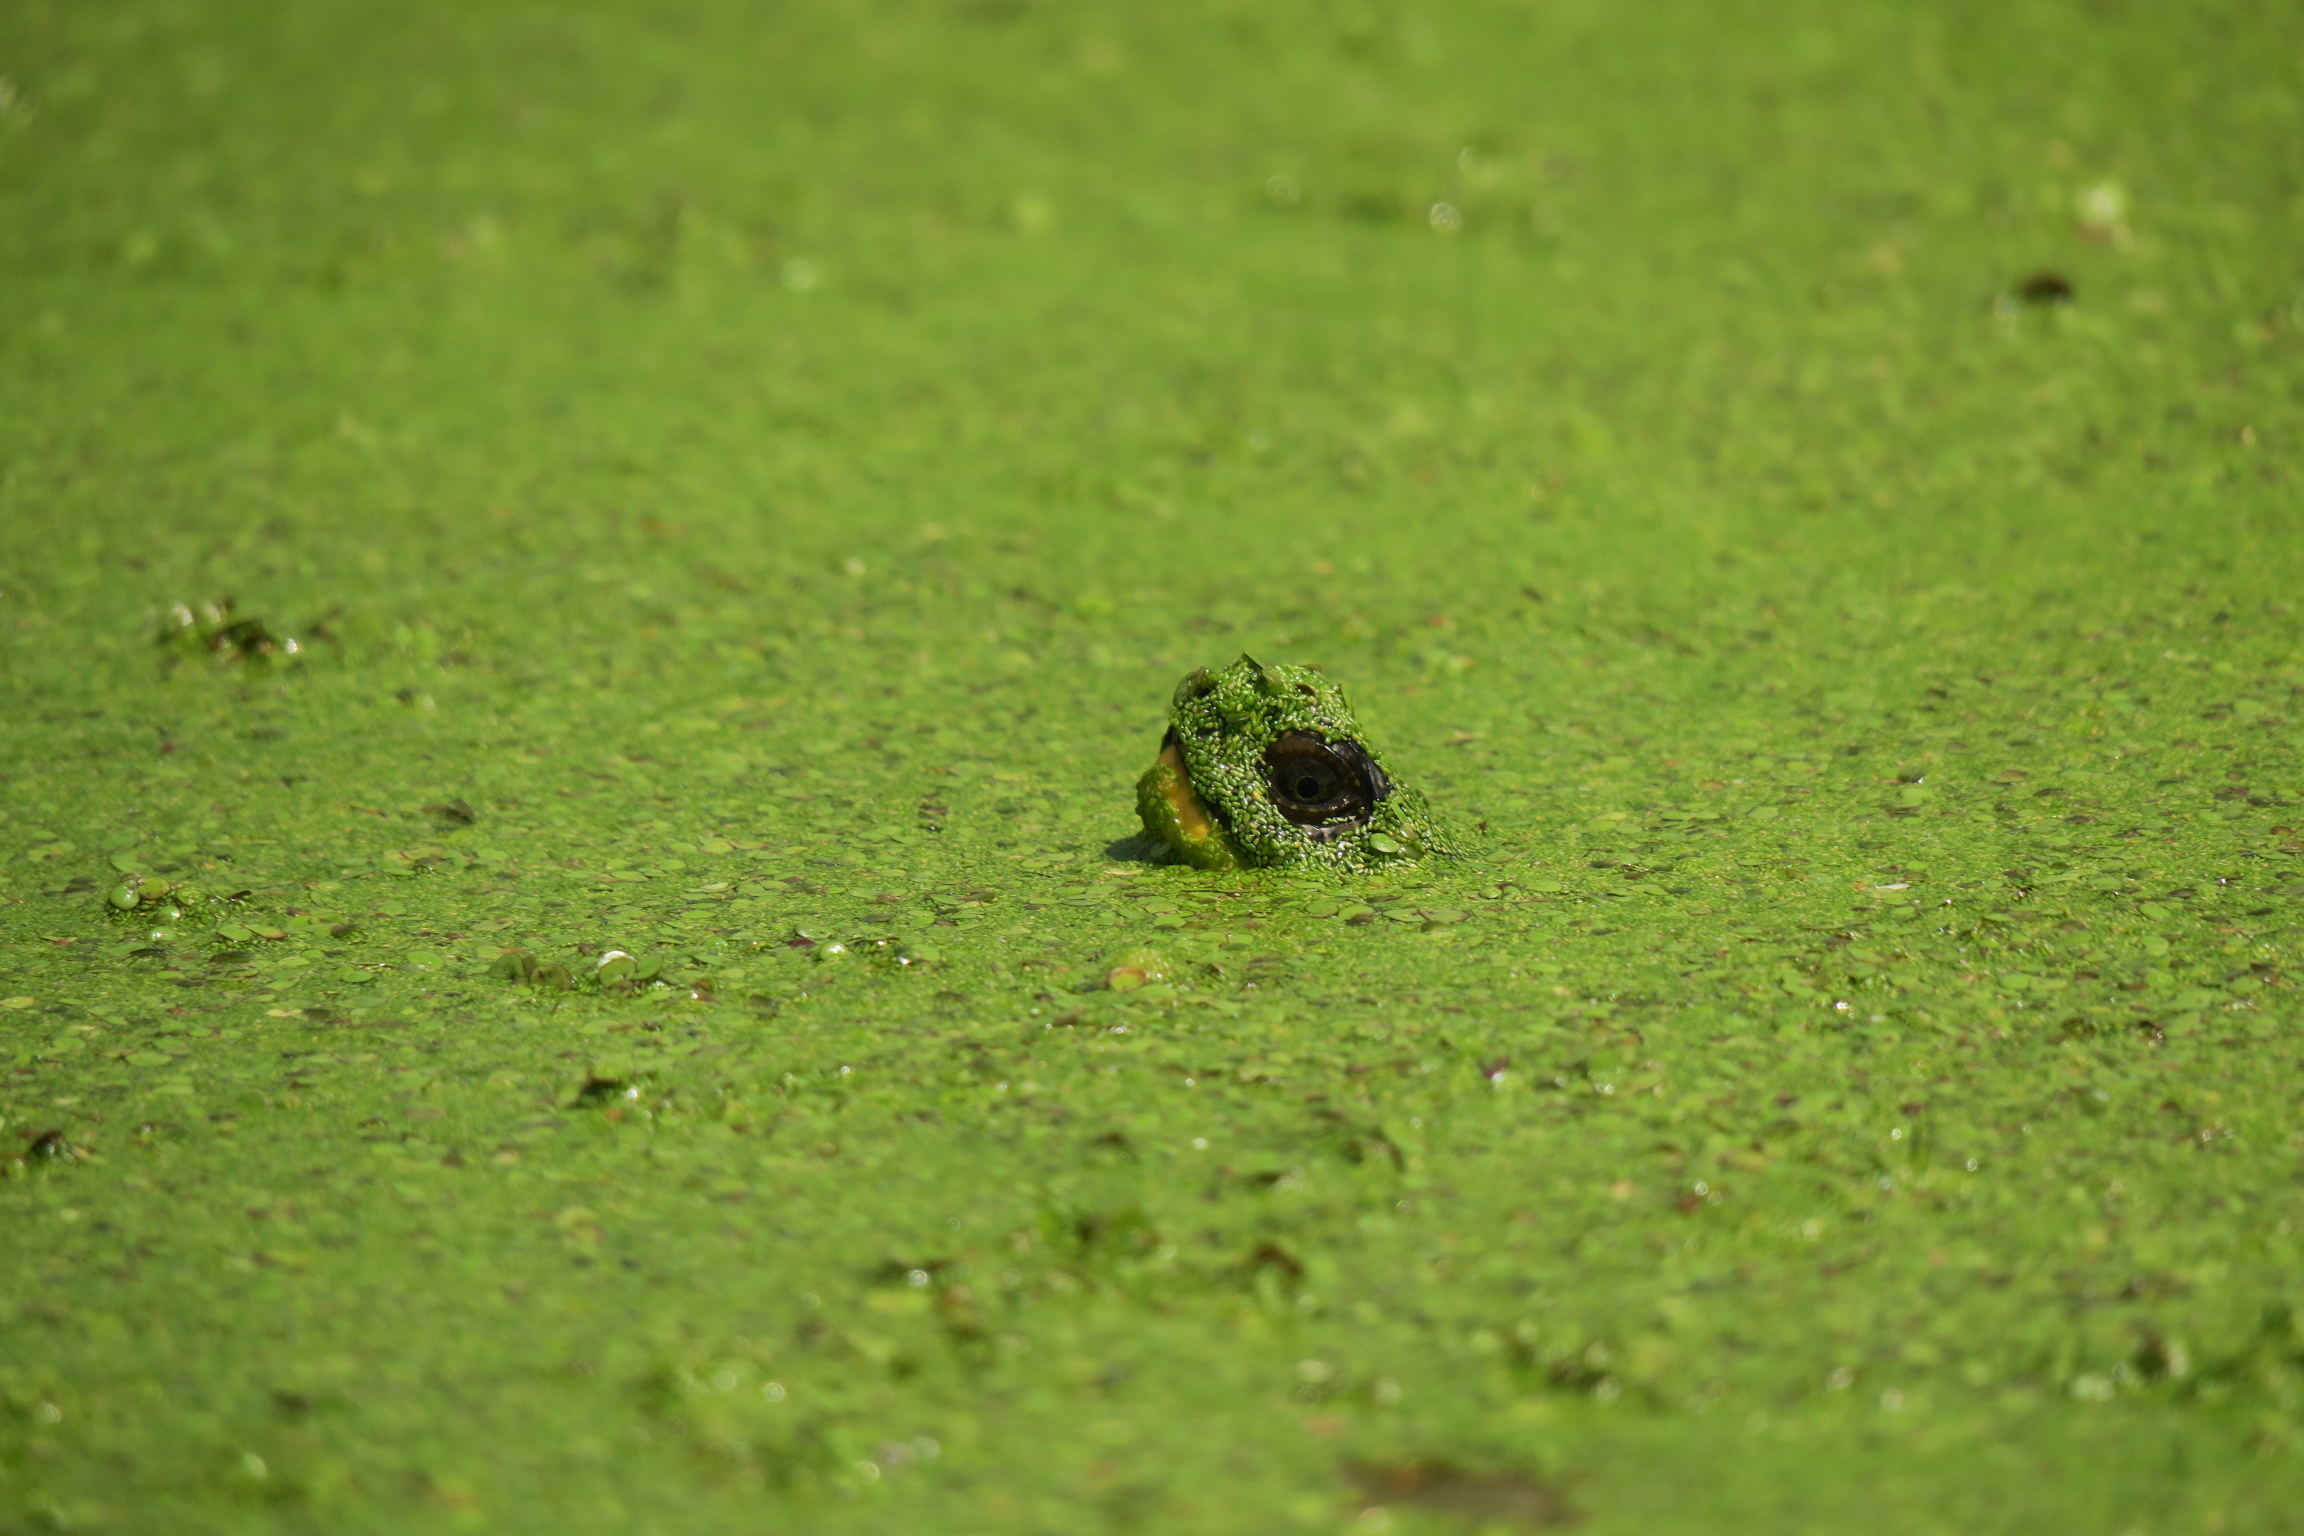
(1265, 766)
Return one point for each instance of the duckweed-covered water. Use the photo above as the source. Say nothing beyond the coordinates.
(1809, 492)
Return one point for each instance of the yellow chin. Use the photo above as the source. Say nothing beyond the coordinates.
(1175, 818)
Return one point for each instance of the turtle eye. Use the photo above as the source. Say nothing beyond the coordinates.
(1322, 784)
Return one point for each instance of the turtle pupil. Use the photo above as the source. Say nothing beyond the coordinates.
(1309, 787)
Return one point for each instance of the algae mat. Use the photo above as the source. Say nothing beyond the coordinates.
(1809, 492)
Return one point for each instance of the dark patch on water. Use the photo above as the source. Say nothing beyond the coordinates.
(51, 1147)
(598, 1090)
(1273, 1257)
(215, 630)
(1132, 849)
(1484, 1500)
(2046, 287)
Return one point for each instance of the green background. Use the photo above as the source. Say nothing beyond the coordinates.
(744, 481)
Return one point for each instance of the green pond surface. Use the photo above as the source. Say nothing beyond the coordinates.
(1809, 492)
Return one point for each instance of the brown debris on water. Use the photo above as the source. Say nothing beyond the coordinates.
(1514, 1500)
(2045, 287)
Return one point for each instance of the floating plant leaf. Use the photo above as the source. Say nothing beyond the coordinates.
(513, 965)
